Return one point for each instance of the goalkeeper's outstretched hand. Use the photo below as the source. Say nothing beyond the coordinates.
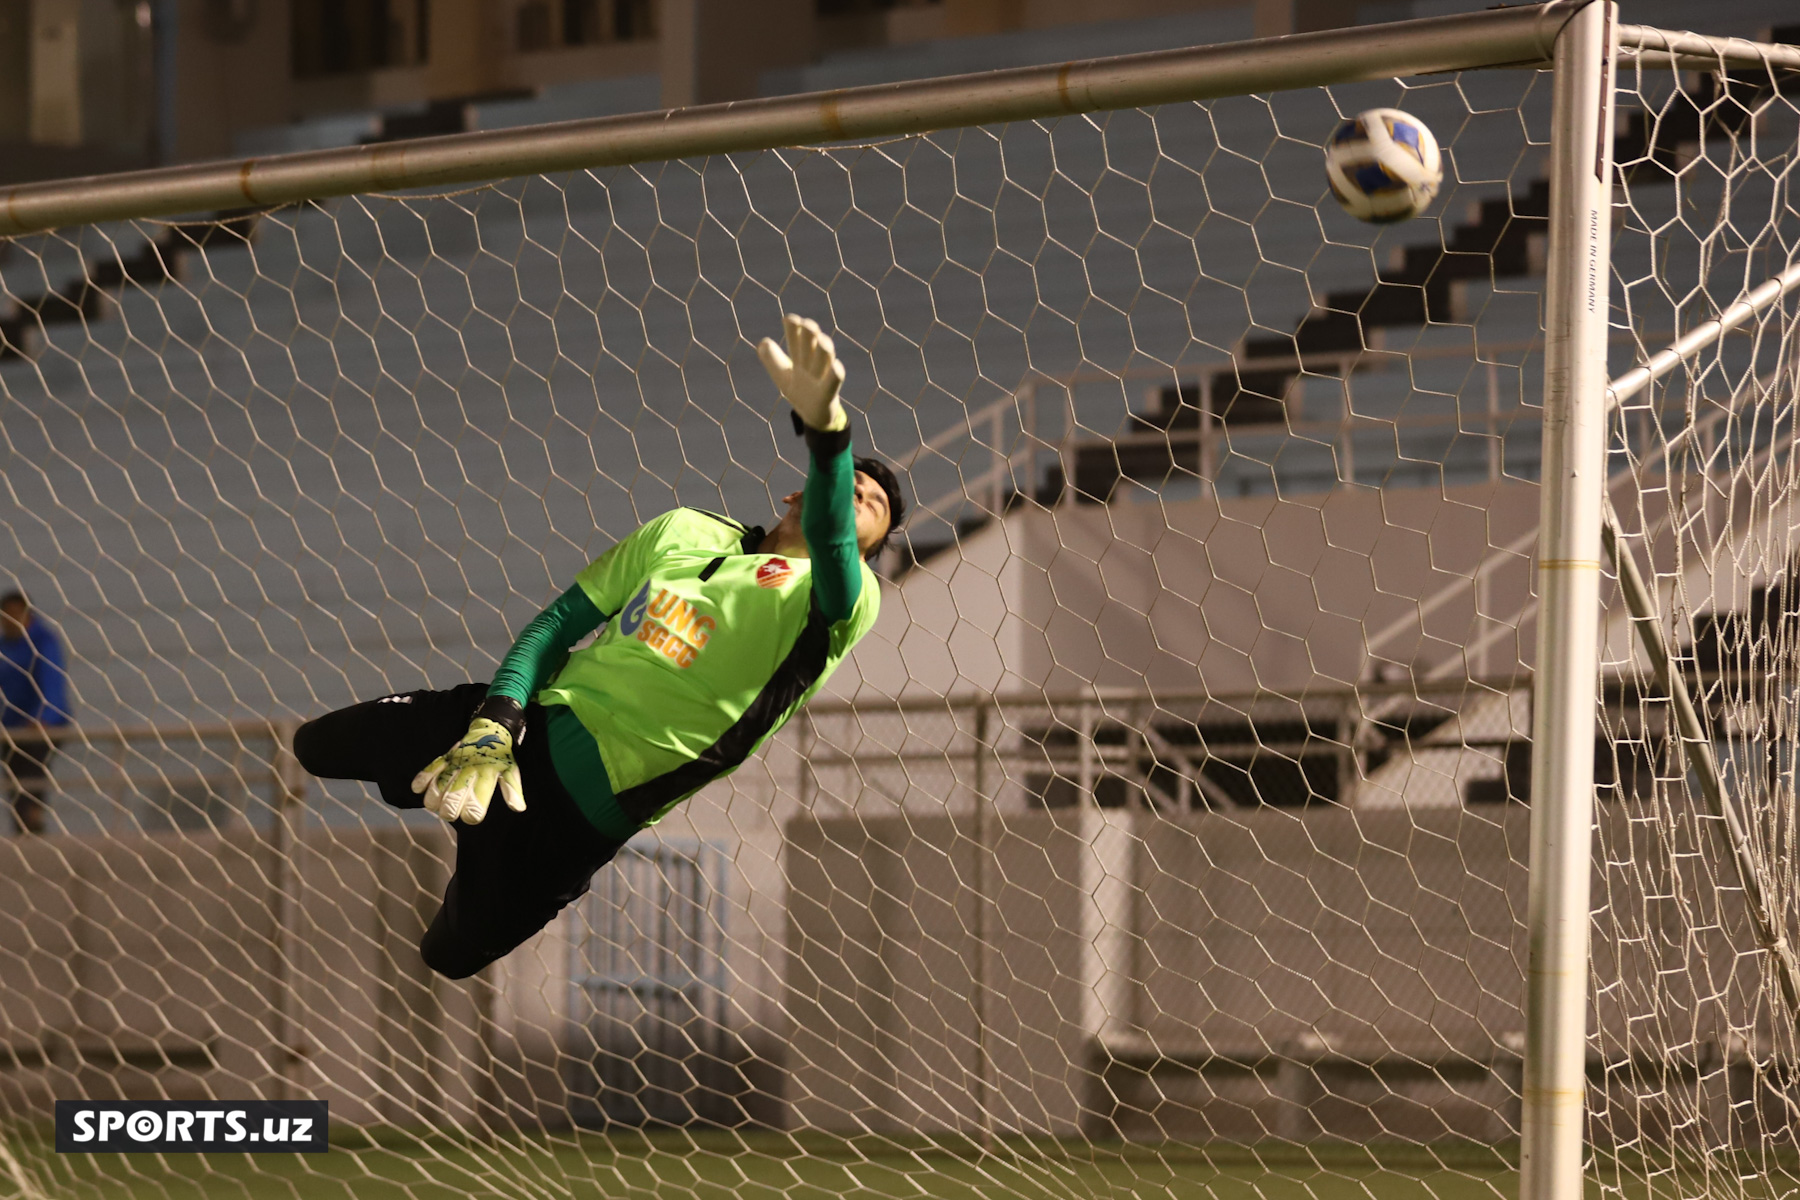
(461, 783)
(808, 373)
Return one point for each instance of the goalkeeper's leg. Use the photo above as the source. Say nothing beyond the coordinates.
(27, 765)
(514, 871)
(387, 741)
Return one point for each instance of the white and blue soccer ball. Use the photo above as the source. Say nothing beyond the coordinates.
(1383, 166)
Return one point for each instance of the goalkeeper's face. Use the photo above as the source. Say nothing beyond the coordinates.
(872, 515)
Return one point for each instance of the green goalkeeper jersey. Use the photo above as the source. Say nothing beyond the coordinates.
(709, 646)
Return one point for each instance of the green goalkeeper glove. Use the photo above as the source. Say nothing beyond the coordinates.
(461, 783)
(808, 373)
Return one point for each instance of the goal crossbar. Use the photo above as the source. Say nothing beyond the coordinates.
(1520, 36)
(1650, 46)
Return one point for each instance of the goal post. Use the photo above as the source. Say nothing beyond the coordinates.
(1576, 315)
(1258, 778)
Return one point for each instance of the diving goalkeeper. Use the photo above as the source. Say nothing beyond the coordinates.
(716, 633)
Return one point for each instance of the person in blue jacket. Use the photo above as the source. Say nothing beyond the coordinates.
(34, 688)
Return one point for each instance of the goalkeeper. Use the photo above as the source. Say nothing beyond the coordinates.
(715, 635)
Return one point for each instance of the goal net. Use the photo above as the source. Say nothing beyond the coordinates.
(1697, 1000)
(1168, 835)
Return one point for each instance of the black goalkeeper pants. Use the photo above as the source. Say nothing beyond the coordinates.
(514, 871)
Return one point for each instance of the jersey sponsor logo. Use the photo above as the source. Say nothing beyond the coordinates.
(774, 573)
(632, 615)
(672, 627)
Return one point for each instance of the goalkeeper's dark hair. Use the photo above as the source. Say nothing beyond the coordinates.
(884, 478)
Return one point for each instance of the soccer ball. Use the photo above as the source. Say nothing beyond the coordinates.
(1383, 166)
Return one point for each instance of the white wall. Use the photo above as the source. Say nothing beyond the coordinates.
(1217, 596)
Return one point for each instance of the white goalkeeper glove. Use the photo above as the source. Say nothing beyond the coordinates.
(461, 783)
(808, 373)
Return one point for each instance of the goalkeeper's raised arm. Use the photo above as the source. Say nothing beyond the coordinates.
(712, 635)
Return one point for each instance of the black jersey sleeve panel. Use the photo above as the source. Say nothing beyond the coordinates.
(737, 527)
(542, 645)
(799, 670)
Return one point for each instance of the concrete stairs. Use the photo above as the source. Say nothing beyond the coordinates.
(1501, 237)
(93, 292)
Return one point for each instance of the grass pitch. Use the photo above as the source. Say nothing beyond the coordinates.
(771, 1166)
(774, 1167)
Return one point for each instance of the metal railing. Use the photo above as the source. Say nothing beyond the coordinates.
(1025, 435)
(1167, 751)
(193, 778)
(1022, 435)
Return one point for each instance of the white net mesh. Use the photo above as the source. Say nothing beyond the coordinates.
(1693, 1050)
(1165, 836)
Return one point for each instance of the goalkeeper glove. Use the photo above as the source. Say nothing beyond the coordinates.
(461, 783)
(808, 373)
